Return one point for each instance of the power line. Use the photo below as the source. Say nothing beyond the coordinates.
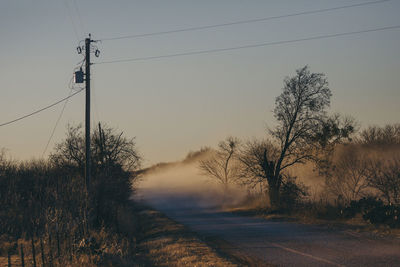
(251, 46)
(71, 19)
(243, 21)
(79, 16)
(96, 109)
(42, 109)
(55, 126)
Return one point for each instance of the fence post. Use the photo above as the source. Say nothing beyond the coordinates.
(50, 252)
(9, 257)
(42, 252)
(33, 251)
(22, 256)
(58, 244)
(69, 249)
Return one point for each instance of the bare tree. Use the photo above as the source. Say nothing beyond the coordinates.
(302, 123)
(349, 176)
(70, 152)
(384, 175)
(333, 130)
(115, 160)
(109, 149)
(5, 162)
(299, 110)
(374, 135)
(223, 165)
(255, 168)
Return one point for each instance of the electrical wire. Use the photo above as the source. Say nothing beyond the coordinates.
(244, 21)
(72, 89)
(250, 46)
(94, 97)
(71, 19)
(79, 16)
(40, 110)
(55, 126)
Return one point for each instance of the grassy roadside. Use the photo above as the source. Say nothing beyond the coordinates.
(164, 242)
(353, 226)
(107, 246)
(146, 237)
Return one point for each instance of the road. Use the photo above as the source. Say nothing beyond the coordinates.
(279, 243)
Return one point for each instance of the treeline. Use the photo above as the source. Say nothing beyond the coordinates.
(360, 169)
(361, 176)
(364, 176)
(369, 166)
(48, 216)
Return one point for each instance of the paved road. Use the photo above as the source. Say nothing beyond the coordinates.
(280, 243)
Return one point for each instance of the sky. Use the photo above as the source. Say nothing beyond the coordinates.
(179, 104)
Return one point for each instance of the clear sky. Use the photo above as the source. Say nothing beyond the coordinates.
(178, 104)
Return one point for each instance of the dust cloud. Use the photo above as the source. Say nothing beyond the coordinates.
(181, 184)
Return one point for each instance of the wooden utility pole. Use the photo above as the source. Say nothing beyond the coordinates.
(87, 113)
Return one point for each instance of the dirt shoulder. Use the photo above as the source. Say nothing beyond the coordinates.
(164, 242)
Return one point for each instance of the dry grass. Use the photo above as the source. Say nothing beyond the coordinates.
(107, 247)
(110, 257)
(160, 242)
(167, 243)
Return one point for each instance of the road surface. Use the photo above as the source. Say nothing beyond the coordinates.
(280, 243)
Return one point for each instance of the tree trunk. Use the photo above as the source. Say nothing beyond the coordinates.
(273, 192)
(225, 193)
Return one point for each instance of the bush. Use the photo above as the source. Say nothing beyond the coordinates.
(47, 200)
(291, 193)
(384, 215)
(374, 211)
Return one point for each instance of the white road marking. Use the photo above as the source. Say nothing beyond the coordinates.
(306, 255)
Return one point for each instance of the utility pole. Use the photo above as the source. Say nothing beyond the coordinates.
(87, 113)
(79, 78)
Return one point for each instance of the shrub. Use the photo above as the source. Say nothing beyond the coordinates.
(291, 193)
(374, 211)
